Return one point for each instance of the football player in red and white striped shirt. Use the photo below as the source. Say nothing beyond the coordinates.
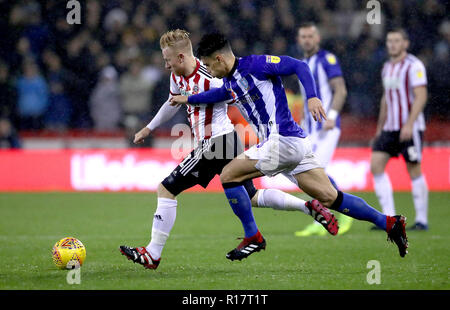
(213, 135)
(401, 125)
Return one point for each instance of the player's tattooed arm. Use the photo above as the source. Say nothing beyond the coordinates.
(339, 95)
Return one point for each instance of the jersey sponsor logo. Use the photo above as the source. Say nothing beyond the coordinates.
(195, 89)
(419, 74)
(331, 59)
(158, 217)
(272, 59)
(244, 83)
(391, 82)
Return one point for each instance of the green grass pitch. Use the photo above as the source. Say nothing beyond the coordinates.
(205, 230)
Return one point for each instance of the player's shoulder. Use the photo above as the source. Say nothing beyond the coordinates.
(247, 62)
(203, 71)
(252, 64)
(414, 60)
(252, 60)
(327, 56)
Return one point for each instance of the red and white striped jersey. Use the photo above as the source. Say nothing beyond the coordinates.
(399, 80)
(207, 121)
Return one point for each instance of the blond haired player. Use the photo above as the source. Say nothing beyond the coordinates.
(216, 144)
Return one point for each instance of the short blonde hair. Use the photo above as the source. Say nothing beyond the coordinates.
(178, 39)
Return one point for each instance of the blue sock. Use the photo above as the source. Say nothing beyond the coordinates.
(240, 203)
(333, 183)
(357, 208)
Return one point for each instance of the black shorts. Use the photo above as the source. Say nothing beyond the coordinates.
(389, 142)
(204, 162)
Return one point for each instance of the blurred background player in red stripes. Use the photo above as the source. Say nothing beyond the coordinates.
(401, 125)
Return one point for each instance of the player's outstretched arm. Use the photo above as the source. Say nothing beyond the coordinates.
(212, 96)
(165, 113)
(141, 135)
(178, 100)
(286, 65)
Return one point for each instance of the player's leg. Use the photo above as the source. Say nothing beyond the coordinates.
(164, 217)
(266, 198)
(345, 222)
(163, 220)
(420, 195)
(384, 147)
(233, 178)
(246, 167)
(324, 143)
(412, 153)
(278, 200)
(315, 183)
(281, 154)
(382, 182)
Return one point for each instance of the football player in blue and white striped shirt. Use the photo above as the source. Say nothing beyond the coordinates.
(332, 92)
(254, 82)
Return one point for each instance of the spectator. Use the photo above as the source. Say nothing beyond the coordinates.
(105, 101)
(59, 111)
(8, 94)
(442, 47)
(82, 66)
(32, 92)
(115, 32)
(439, 74)
(361, 100)
(136, 92)
(8, 135)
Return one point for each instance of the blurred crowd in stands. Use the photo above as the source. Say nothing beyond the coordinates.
(107, 73)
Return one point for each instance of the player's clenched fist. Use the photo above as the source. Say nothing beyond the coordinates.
(316, 109)
(141, 135)
(178, 100)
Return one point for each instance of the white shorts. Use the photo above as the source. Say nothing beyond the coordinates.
(324, 143)
(286, 155)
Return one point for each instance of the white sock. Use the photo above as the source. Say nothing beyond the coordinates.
(383, 190)
(278, 200)
(163, 221)
(420, 198)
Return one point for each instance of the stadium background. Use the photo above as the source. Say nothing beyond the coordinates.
(80, 87)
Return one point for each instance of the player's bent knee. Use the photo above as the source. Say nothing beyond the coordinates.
(226, 176)
(327, 197)
(163, 192)
(376, 168)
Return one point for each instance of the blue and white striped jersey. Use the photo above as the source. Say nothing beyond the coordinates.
(324, 66)
(256, 87)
